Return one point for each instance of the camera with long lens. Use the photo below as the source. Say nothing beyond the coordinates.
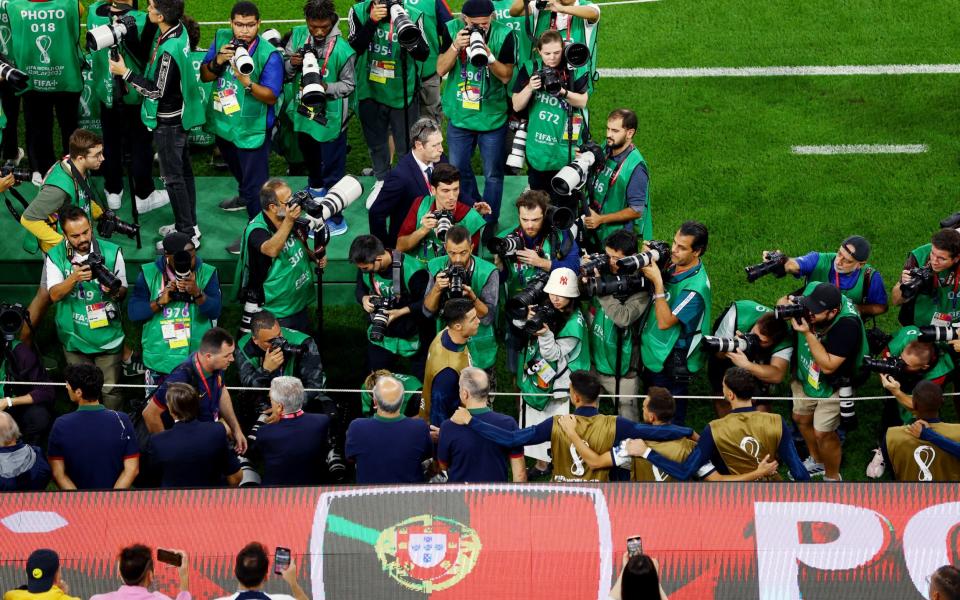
(544, 314)
(936, 333)
(102, 274)
(241, 57)
(550, 81)
(477, 47)
(379, 317)
(444, 223)
(791, 311)
(408, 34)
(920, 277)
(558, 217)
(19, 175)
(774, 263)
(341, 195)
(312, 90)
(518, 151)
(599, 261)
(892, 366)
(658, 253)
(12, 75)
(182, 267)
(249, 476)
(541, 4)
(109, 35)
(274, 37)
(110, 224)
(12, 318)
(505, 246)
(574, 176)
(748, 343)
(618, 286)
(529, 296)
(576, 54)
(457, 275)
(286, 347)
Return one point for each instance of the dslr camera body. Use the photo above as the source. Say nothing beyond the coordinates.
(531, 295)
(457, 275)
(110, 35)
(286, 347)
(550, 80)
(920, 279)
(408, 34)
(104, 276)
(444, 223)
(312, 91)
(775, 263)
(477, 46)
(109, 223)
(543, 315)
(12, 318)
(379, 316)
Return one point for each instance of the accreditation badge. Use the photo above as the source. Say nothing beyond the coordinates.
(577, 125)
(941, 319)
(813, 375)
(97, 315)
(382, 70)
(229, 103)
(176, 332)
(470, 95)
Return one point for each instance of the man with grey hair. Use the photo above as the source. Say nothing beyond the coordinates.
(406, 183)
(294, 449)
(389, 447)
(465, 455)
(22, 467)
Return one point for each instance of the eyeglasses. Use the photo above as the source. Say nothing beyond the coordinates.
(419, 128)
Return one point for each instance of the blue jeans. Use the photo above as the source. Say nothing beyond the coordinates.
(462, 143)
(251, 169)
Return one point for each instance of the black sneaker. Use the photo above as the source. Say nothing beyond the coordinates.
(133, 367)
(234, 248)
(233, 204)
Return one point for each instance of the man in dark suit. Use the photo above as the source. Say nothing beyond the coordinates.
(406, 182)
(193, 453)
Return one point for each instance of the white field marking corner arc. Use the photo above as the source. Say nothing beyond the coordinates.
(604, 532)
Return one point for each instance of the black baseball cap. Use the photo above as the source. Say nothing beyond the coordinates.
(42, 567)
(176, 241)
(477, 8)
(821, 298)
(857, 246)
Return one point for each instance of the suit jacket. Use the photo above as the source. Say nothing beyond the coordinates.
(403, 184)
(193, 454)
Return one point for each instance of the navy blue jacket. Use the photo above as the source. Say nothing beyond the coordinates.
(193, 454)
(403, 184)
(16, 476)
(294, 450)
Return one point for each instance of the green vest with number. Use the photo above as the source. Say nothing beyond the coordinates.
(59, 178)
(194, 110)
(524, 58)
(748, 313)
(383, 286)
(483, 346)
(484, 106)
(518, 273)
(335, 109)
(76, 333)
(288, 287)
(247, 127)
(46, 43)
(430, 246)
(293, 336)
(808, 373)
(942, 304)
(101, 80)
(550, 145)
(656, 344)
(380, 68)
(612, 195)
(579, 359)
(578, 32)
(6, 47)
(163, 347)
(428, 8)
(605, 345)
(821, 273)
(199, 136)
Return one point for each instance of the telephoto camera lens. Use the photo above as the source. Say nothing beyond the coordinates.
(577, 54)
(13, 76)
(505, 246)
(456, 274)
(529, 296)
(559, 217)
(341, 195)
(774, 263)
(408, 34)
(12, 318)
(249, 475)
(636, 262)
(109, 35)
(273, 36)
(594, 261)
(935, 333)
(477, 48)
(242, 59)
(888, 366)
(574, 176)
(109, 224)
(312, 92)
(789, 311)
(102, 274)
(518, 151)
(182, 264)
(444, 223)
(378, 322)
(719, 344)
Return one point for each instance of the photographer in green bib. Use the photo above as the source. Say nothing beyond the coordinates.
(429, 220)
(460, 274)
(324, 93)
(619, 194)
(618, 300)
(552, 97)
(45, 39)
(87, 280)
(577, 21)
(276, 267)
(436, 15)
(172, 106)
(390, 288)
(9, 97)
(680, 317)
(120, 105)
(388, 37)
(748, 335)
(830, 347)
(477, 56)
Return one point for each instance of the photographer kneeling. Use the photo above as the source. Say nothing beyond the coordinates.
(87, 280)
(31, 407)
(390, 288)
(557, 329)
(619, 297)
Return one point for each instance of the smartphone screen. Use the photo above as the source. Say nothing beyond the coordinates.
(168, 557)
(634, 546)
(281, 560)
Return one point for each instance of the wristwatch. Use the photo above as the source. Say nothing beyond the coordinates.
(655, 296)
(249, 87)
(9, 402)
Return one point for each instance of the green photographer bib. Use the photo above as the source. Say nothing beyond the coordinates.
(518, 273)
(332, 58)
(941, 306)
(410, 385)
(535, 383)
(473, 98)
(553, 131)
(100, 81)
(483, 346)
(58, 177)
(501, 12)
(572, 29)
(198, 135)
(604, 345)
(380, 70)
(288, 287)
(173, 334)
(748, 313)
(83, 324)
(944, 365)
(656, 344)
(46, 43)
(178, 47)
(295, 338)
(430, 246)
(821, 273)
(610, 192)
(383, 286)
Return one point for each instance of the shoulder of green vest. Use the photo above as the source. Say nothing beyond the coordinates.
(108, 248)
(411, 265)
(293, 336)
(574, 326)
(435, 265)
(922, 253)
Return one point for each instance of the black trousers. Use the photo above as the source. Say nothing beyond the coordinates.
(177, 173)
(123, 133)
(11, 108)
(38, 109)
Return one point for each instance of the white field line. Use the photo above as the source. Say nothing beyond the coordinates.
(919, 69)
(862, 149)
(287, 21)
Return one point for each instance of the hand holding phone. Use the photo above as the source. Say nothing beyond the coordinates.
(634, 545)
(281, 560)
(169, 557)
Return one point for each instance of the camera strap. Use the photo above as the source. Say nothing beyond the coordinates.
(10, 207)
(397, 272)
(80, 184)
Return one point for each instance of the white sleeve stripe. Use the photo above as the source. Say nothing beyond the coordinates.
(685, 302)
(704, 471)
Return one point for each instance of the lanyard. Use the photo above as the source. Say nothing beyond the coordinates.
(161, 39)
(553, 24)
(196, 360)
(613, 178)
(299, 413)
(956, 284)
(326, 59)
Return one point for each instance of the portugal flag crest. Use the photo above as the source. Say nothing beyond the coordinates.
(427, 553)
